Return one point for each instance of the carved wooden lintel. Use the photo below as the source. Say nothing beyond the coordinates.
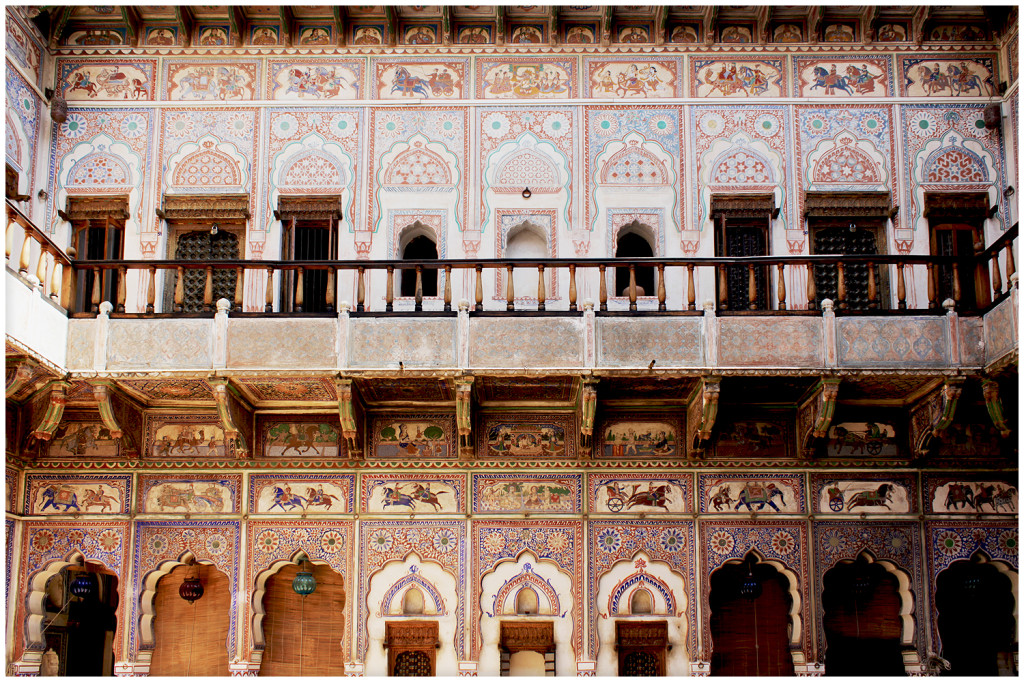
(54, 411)
(101, 391)
(226, 207)
(710, 389)
(411, 635)
(743, 205)
(96, 208)
(463, 414)
(637, 634)
(956, 205)
(528, 636)
(587, 412)
(994, 405)
(309, 208)
(847, 204)
(24, 372)
(347, 414)
(231, 432)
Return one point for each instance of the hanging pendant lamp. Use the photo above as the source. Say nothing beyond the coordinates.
(191, 589)
(750, 588)
(304, 582)
(84, 586)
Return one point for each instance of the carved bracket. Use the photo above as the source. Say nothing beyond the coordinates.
(231, 432)
(990, 389)
(22, 375)
(950, 396)
(587, 411)
(101, 391)
(54, 411)
(826, 409)
(710, 389)
(346, 411)
(463, 414)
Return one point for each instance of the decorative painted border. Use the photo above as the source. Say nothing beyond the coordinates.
(567, 65)
(344, 481)
(706, 481)
(275, 66)
(574, 482)
(883, 62)
(988, 60)
(378, 67)
(819, 481)
(252, 67)
(380, 419)
(699, 62)
(233, 482)
(614, 418)
(367, 482)
(592, 64)
(595, 481)
(932, 483)
(485, 421)
(64, 67)
(121, 482)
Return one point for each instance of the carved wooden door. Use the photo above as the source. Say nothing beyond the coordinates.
(840, 239)
(412, 646)
(957, 240)
(641, 647)
(745, 240)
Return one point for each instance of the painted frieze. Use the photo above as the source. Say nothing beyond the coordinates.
(413, 493)
(264, 35)
(366, 35)
(189, 493)
(862, 439)
(291, 388)
(76, 437)
(22, 45)
(315, 79)
(525, 78)
(77, 494)
(765, 436)
(516, 493)
(301, 493)
(21, 126)
(957, 495)
(640, 77)
(414, 436)
(737, 77)
(305, 438)
(523, 436)
(639, 493)
(768, 493)
(98, 36)
(858, 494)
(843, 76)
(623, 437)
(950, 541)
(316, 34)
(965, 76)
(185, 436)
(211, 80)
(161, 36)
(211, 36)
(426, 78)
(11, 487)
(107, 80)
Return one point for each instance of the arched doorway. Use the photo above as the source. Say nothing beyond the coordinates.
(525, 241)
(191, 639)
(750, 623)
(304, 635)
(976, 639)
(420, 247)
(632, 244)
(863, 626)
(81, 605)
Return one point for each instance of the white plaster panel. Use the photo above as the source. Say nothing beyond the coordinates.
(422, 342)
(158, 344)
(81, 338)
(636, 341)
(35, 322)
(306, 343)
(519, 342)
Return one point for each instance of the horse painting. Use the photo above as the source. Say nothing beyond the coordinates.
(98, 498)
(880, 497)
(287, 500)
(994, 496)
(830, 81)
(393, 497)
(319, 498)
(410, 85)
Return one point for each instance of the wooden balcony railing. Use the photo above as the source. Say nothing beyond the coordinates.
(45, 258)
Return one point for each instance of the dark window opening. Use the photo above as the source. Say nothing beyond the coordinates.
(972, 645)
(81, 630)
(419, 248)
(740, 237)
(632, 245)
(848, 237)
(641, 648)
(201, 245)
(960, 241)
(98, 239)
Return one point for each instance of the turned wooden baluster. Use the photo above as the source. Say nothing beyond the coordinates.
(300, 286)
(360, 289)
(96, 282)
(812, 292)
(632, 287)
(723, 289)
(840, 286)
(997, 280)
(179, 291)
(208, 290)
(122, 288)
(572, 286)
(691, 290)
(956, 285)
(330, 295)
(782, 287)
(268, 305)
(389, 295)
(603, 292)
(932, 294)
(418, 293)
(541, 295)
(151, 290)
(240, 289)
(751, 287)
(26, 254)
(10, 233)
(872, 287)
(510, 294)
(901, 288)
(447, 288)
(661, 287)
(54, 281)
(41, 266)
(1011, 267)
(67, 287)
(479, 296)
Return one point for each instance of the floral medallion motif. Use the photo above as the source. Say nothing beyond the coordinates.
(268, 541)
(948, 543)
(1008, 542)
(42, 540)
(444, 540)
(332, 541)
(216, 544)
(609, 540)
(673, 540)
(783, 543)
(381, 541)
(494, 542)
(722, 542)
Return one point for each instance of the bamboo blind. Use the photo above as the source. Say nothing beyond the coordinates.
(191, 639)
(318, 645)
(750, 637)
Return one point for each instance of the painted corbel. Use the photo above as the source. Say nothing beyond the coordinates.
(22, 375)
(587, 412)
(464, 415)
(54, 411)
(710, 389)
(950, 396)
(346, 411)
(231, 432)
(990, 389)
(826, 410)
(101, 391)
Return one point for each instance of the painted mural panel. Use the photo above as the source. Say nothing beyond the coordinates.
(106, 80)
(76, 437)
(634, 493)
(161, 36)
(186, 436)
(412, 492)
(299, 438)
(211, 81)
(843, 76)
(515, 493)
(956, 495)
(858, 494)
(862, 439)
(22, 46)
(640, 77)
(427, 78)
(754, 492)
(301, 493)
(925, 75)
(526, 436)
(764, 436)
(315, 79)
(418, 436)
(737, 77)
(78, 494)
(647, 438)
(189, 493)
(525, 78)
(11, 486)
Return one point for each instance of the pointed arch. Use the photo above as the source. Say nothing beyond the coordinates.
(98, 171)
(147, 608)
(742, 166)
(634, 165)
(314, 171)
(418, 166)
(526, 168)
(527, 578)
(413, 581)
(206, 167)
(619, 602)
(954, 165)
(904, 582)
(846, 164)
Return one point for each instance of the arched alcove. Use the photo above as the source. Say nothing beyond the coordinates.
(635, 240)
(527, 601)
(412, 602)
(862, 622)
(191, 639)
(641, 602)
(973, 645)
(525, 240)
(417, 242)
(751, 625)
(526, 664)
